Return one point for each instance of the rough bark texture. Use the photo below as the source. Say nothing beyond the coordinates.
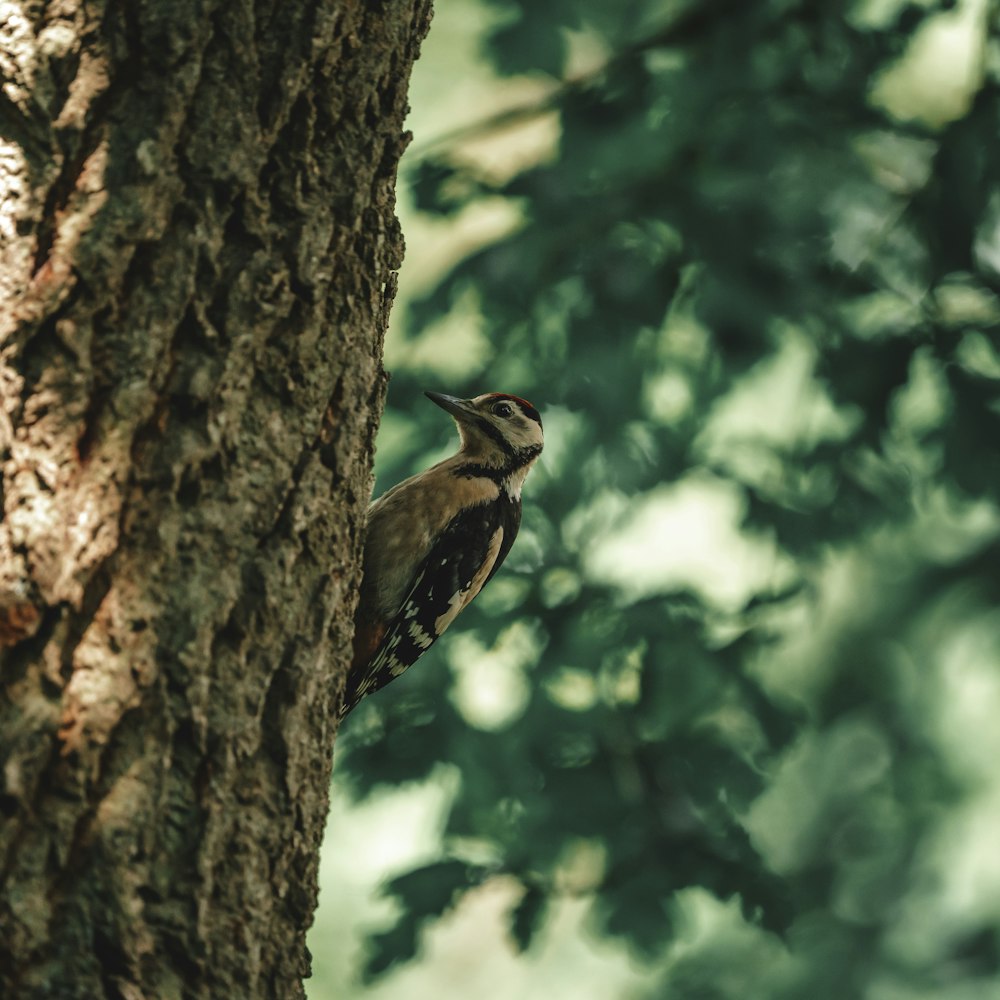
(197, 247)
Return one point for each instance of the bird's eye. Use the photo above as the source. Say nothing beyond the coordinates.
(503, 409)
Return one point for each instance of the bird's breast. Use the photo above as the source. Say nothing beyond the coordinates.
(403, 526)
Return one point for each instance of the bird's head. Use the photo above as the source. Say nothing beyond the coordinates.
(497, 430)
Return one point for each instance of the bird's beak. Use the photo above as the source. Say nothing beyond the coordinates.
(458, 408)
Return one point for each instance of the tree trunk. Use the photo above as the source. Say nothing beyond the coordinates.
(197, 247)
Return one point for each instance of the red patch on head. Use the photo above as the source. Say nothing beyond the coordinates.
(526, 407)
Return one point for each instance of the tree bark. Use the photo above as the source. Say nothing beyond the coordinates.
(197, 256)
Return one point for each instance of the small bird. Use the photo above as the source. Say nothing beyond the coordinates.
(435, 540)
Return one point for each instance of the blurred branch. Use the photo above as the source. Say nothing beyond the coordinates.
(690, 21)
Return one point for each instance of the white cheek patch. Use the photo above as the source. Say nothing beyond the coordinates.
(463, 597)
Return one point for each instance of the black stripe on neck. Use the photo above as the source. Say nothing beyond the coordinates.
(494, 434)
(522, 456)
(473, 470)
(519, 458)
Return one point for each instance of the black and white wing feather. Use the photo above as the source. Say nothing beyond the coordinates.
(463, 560)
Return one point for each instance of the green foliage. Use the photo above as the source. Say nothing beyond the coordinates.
(423, 894)
(729, 215)
(527, 915)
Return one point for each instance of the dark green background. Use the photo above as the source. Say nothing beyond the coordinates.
(740, 282)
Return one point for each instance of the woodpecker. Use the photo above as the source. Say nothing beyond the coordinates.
(435, 540)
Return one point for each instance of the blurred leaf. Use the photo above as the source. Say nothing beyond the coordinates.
(637, 909)
(389, 948)
(431, 889)
(529, 45)
(527, 916)
(442, 189)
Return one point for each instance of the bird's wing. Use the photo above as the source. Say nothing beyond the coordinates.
(468, 553)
